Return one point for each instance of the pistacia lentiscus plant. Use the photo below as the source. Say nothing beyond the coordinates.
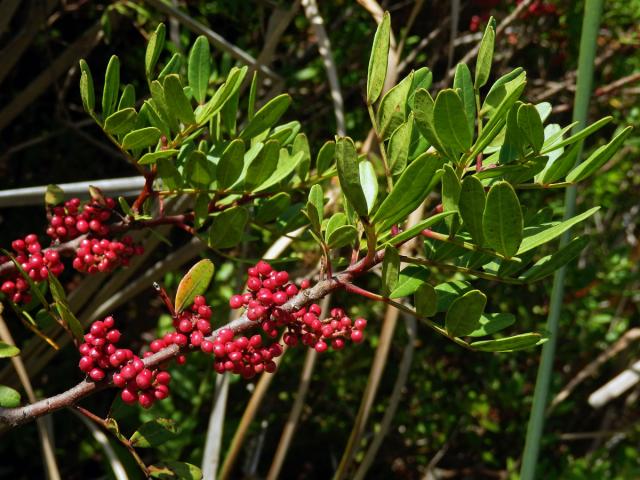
(466, 153)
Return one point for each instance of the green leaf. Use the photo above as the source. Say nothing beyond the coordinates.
(177, 102)
(111, 87)
(153, 157)
(174, 65)
(491, 323)
(144, 137)
(176, 470)
(502, 222)
(530, 125)
(267, 116)
(425, 300)
(325, 158)
(485, 56)
(121, 121)
(127, 98)
(336, 221)
(448, 292)
(508, 344)
(154, 433)
(463, 316)
(562, 165)
(472, 204)
(598, 158)
(410, 279)
(160, 106)
(231, 164)
(499, 90)
(412, 188)
(417, 228)
(227, 228)
(595, 126)
(423, 111)
(286, 166)
(54, 195)
(198, 170)
(301, 144)
(60, 298)
(263, 165)
(377, 70)
(315, 207)
(194, 283)
(393, 107)
(398, 149)
(199, 68)
(540, 237)
(9, 398)
(463, 83)
(234, 80)
(450, 196)
(342, 236)
(272, 207)
(390, 270)
(349, 174)
(151, 112)
(369, 183)
(513, 146)
(448, 118)
(7, 350)
(549, 264)
(253, 91)
(154, 48)
(87, 91)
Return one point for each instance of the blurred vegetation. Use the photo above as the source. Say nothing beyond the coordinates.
(462, 414)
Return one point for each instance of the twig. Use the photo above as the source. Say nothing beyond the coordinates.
(324, 47)
(45, 436)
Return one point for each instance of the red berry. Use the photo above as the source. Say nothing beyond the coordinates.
(129, 396)
(199, 300)
(236, 301)
(321, 347)
(356, 336)
(163, 378)
(113, 336)
(360, 324)
(263, 268)
(96, 374)
(86, 364)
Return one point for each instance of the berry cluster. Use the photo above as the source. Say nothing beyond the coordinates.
(242, 355)
(268, 290)
(315, 333)
(104, 255)
(96, 253)
(36, 263)
(101, 355)
(70, 220)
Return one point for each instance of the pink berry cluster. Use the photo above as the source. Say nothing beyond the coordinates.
(72, 219)
(96, 253)
(100, 355)
(104, 255)
(191, 327)
(244, 356)
(36, 263)
(269, 289)
(309, 330)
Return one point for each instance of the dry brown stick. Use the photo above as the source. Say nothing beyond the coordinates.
(76, 50)
(508, 20)
(46, 440)
(296, 410)
(621, 82)
(622, 344)
(324, 47)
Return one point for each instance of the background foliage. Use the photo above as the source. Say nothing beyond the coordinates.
(462, 414)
